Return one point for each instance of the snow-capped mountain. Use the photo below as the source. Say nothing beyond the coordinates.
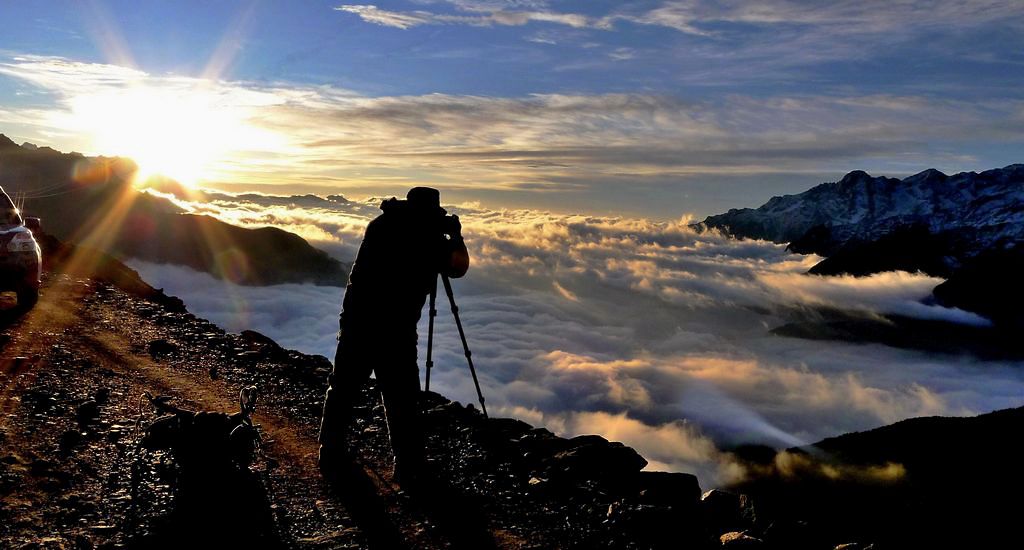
(986, 209)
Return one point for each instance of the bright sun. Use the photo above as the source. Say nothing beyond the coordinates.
(175, 133)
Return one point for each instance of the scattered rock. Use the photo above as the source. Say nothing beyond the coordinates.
(736, 539)
(69, 439)
(668, 489)
(41, 467)
(161, 348)
(647, 526)
(250, 355)
(722, 510)
(507, 427)
(15, 364)
(46, 543)
(255, 341)
(747, 511)
(83, 542)
(88, 411)
(793, 534)
(595, 457)
(539, 445)
(102, 396)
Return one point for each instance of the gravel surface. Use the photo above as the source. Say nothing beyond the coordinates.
(74, 475)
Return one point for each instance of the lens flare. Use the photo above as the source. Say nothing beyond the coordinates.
(167, 132)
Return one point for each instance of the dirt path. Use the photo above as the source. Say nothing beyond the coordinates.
(67, 479)
(73, 473)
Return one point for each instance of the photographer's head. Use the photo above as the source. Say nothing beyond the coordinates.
(426, 200)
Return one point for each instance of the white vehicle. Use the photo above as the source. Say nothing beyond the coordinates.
(20, 257)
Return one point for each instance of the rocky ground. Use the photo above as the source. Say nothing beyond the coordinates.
(73, 474)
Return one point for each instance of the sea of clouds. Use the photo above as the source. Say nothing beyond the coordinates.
(645, 332)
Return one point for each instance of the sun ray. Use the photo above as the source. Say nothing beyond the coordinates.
(180, 132)
(177, 127)
(230, 44)
(106, 35)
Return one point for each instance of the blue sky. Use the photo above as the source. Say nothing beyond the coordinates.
(660, 107)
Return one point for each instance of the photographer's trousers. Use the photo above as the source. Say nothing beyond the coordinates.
(391, 356)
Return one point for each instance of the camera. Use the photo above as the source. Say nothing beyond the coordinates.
(451, 226)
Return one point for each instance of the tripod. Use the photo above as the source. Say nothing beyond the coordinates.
(462, 335)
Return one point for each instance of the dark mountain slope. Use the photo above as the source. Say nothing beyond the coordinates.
(91, 200)
(925, 482)
(905, 248)
(991, 285)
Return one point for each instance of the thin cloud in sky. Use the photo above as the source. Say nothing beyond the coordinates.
(484, 14)
(852, 15)
(751, 44)
(697, 17)
(287, 133)
(373, 14)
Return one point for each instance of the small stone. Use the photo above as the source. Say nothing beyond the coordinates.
(736, 539)
(102, 395)
(69, 439)
(41, 467)
(161, 347)
(102, 528)
(88, 411)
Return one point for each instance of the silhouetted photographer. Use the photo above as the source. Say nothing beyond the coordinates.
(402, 253)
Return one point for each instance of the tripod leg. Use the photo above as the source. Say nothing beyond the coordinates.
(430, 333)
(465, 345)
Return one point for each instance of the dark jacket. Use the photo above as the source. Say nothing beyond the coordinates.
(402, 252)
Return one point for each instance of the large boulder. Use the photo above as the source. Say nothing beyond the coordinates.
(722, 511)
(592, 456)
(668, 489)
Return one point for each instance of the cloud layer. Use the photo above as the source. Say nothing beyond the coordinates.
(644, 331)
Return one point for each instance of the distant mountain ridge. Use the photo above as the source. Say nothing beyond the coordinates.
(91, 200)
(988, 206)
(967, 228)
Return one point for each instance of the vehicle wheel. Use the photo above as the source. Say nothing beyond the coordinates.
(27, 297)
